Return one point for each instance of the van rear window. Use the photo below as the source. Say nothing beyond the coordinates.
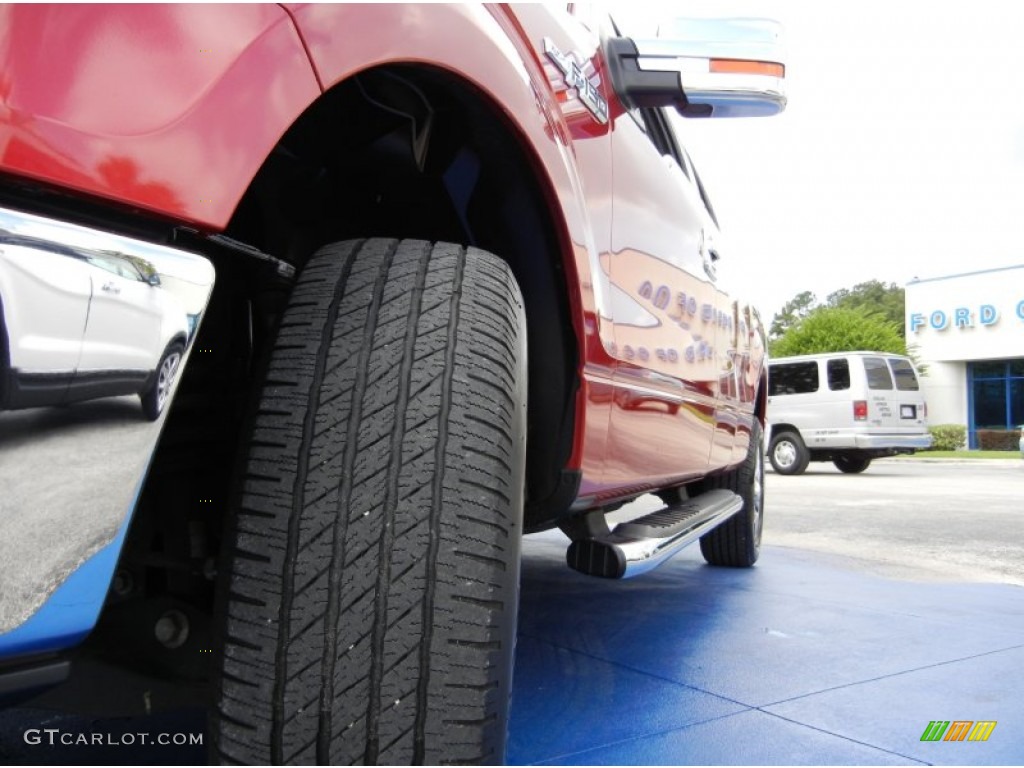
(878, 373)
(793, 378)
(906, 378)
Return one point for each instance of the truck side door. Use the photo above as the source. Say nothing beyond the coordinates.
(666, 308)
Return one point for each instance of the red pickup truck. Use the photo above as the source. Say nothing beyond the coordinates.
(309, 312)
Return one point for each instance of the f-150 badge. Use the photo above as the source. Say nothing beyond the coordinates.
(574, 78)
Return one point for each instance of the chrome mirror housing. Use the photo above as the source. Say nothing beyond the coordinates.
(704, 68)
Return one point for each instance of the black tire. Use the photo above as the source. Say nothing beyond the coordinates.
(155, 398)
(372, 588)
(788, 454)
(4, 359)
(737, 542)
(851, 465)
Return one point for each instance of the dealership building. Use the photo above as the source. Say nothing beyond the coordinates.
(968, 330)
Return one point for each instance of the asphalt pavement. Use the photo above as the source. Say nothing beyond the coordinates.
(936, 519)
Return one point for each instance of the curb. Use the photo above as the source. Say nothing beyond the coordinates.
(1009, 462)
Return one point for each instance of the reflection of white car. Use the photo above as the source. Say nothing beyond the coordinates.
(77, 325)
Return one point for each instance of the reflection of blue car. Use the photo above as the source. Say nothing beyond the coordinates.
(80, 324)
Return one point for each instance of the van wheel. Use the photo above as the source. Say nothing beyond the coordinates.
(788, 454)
(371, 589)
(851, 465)
(737, 541)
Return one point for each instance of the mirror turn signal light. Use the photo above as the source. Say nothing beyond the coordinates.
(745, 67)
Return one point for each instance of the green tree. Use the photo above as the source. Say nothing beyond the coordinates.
(839, 329)
(794, 310)
(874, 296)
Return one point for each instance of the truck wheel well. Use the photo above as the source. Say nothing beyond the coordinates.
(761, 403)
(414, 152)
(401, 151)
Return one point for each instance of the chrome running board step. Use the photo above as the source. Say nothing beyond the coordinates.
(641, 545)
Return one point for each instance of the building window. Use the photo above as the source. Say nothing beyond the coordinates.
(996, 389)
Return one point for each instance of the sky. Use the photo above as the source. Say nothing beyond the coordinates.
(900, 153)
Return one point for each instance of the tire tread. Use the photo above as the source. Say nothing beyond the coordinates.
(388, 438)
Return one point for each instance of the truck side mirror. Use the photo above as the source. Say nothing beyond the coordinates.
(703, 68)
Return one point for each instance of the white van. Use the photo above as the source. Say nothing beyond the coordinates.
(843, 407)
